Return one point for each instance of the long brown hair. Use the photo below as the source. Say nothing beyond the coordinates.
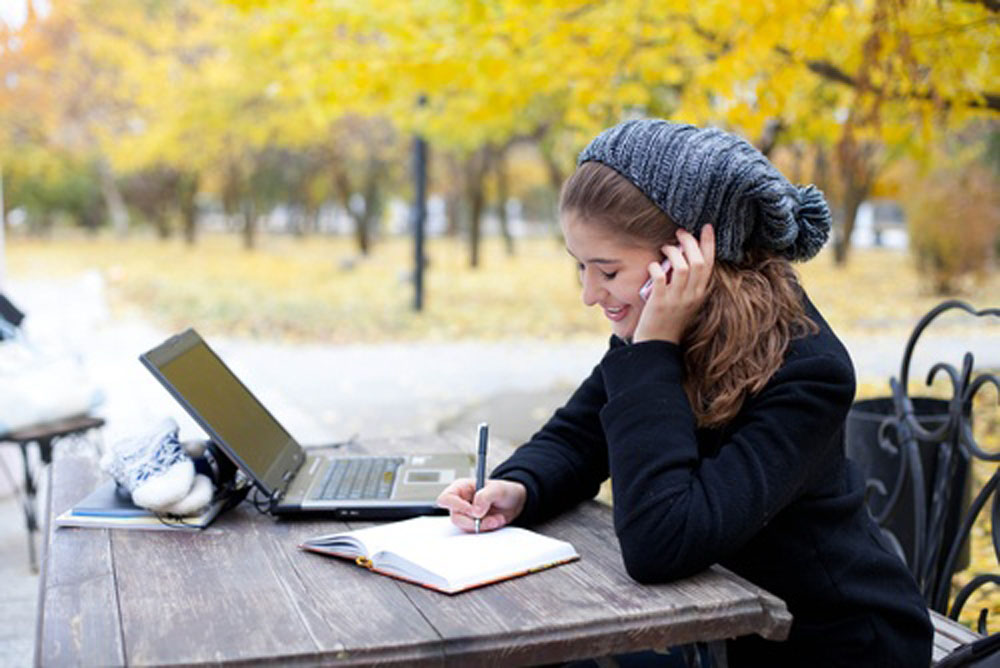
(752, 311)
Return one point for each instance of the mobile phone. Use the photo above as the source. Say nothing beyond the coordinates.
(648, 286)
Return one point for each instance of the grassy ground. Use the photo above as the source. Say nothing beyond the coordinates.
(320, 290)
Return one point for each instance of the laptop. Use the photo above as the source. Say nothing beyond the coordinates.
(295, 480)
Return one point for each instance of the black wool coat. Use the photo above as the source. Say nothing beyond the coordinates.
(769, 496)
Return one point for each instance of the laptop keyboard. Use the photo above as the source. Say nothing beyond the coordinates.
(360, 478)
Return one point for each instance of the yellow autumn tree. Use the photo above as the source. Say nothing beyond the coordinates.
(212, 89)
(868, 81)
(59, 101)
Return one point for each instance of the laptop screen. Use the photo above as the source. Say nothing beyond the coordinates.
(224, 407)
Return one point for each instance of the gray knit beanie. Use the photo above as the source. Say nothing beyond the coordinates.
(705, 175)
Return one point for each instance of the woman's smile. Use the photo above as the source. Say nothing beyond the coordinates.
(615, 313)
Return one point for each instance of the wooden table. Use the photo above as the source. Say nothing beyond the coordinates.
(242, 591)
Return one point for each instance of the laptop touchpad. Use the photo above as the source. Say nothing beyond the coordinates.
(429, 476)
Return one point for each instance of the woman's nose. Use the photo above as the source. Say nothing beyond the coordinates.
(591, 290)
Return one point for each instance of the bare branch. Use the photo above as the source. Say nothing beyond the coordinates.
(825, 69)
(829, 71)
(832, 72)
(992, 5)
(990, 101)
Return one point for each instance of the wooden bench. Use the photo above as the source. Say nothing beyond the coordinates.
(949, 635)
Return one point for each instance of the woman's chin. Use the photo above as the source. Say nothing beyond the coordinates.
(623, 330)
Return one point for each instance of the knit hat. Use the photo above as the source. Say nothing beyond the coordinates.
(700, 176)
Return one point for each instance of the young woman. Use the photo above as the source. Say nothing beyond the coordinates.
(718, 409)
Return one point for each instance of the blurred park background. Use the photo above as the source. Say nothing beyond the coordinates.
(248, 167)
(174, 131)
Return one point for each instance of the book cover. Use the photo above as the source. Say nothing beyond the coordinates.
(434, 553)
(104, 508)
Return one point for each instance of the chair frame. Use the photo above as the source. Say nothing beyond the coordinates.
(934, 563)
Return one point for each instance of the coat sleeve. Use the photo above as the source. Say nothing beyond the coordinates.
(567, 460)
(676, 513)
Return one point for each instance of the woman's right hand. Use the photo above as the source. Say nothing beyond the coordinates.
(672, 305)
(495, 505)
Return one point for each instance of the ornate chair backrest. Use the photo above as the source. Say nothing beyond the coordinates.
(935, 554)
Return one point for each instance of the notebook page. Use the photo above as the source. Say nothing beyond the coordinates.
(463, 559)
(381, 537)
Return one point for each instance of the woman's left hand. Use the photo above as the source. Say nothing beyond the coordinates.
(673, 304)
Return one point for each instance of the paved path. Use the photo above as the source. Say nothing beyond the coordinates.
(329, 393)
(325, 392)
(320, 392)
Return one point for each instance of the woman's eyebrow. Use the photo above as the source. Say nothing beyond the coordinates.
(593, 260)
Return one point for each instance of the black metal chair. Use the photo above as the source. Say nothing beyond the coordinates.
(918, 463)
(10, 318)
(44, 436)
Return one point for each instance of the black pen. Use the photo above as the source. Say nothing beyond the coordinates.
(484, 430)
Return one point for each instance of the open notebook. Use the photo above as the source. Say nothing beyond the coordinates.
(434, 553)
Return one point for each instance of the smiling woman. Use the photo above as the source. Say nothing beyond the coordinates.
(718, 410)
(757, 302)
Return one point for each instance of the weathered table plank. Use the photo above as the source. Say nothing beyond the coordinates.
(345, 612)
(79, 621)
(242, 592)
(592, 608)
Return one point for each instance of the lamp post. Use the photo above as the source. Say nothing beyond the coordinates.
(419, 214)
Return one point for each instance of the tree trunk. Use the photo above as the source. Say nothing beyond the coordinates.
(232, 190)
(477, 164)
(556, 180)
(556, 176)
(857, 176)
(113, 199)
(500, 169)
(162, 224)
(821, 177)
(769, 139)
(368, 221)
(188, 191)
(796, 176)
(362, 233)
(342, 186)
(475, 218)
(853, 197)
(454, 196)
(297, 221)
(249, 224)
(453, 213)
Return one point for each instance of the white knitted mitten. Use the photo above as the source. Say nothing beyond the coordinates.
(153, 467)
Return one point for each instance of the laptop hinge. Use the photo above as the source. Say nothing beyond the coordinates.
(288, 476)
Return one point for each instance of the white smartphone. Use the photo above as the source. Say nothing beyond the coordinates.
(648, 285)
